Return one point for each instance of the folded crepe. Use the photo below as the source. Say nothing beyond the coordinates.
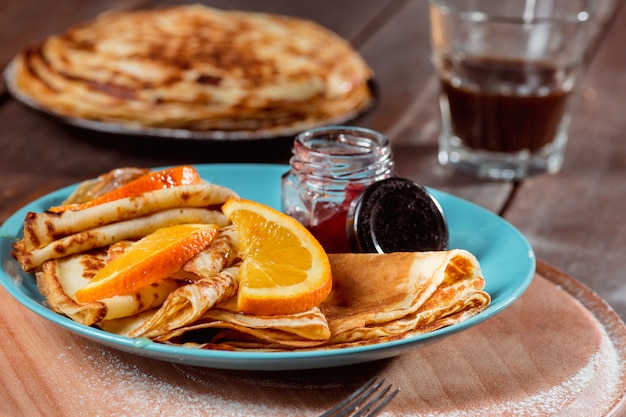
(401, 294)
(59, 279)
(375, 297)
(51, 235)
(215, 274)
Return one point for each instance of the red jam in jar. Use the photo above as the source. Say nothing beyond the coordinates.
(330, 167)
(332, 218)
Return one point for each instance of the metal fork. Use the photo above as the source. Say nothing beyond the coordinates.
(356, 402)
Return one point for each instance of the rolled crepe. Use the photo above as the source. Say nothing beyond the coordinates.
(59, 279)
(41, 229)
(215, 281)
(108, 234)
(222, 252)
(188, 303)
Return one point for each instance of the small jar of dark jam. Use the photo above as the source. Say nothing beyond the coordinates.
(330, 167)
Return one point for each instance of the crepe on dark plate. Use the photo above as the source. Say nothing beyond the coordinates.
(194, 68)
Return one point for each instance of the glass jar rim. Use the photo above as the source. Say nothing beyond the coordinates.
(342, 153)
(377, 138)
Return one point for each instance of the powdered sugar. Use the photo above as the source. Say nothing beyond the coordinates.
(126, 390)
(590, 392)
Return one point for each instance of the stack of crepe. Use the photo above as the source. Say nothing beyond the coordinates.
(198, 68)
(65, 249)
(374, 298)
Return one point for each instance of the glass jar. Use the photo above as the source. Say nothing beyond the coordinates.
(331, 166)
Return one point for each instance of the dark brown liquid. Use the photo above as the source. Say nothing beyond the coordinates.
(490, 111)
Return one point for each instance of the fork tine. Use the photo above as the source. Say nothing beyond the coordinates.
(382, 404)
(349, 399)
(353, 401)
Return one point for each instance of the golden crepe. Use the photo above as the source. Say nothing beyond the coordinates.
(375, 297)
(399, 294)
(59, 280)
(51, 235)
(198, 68)
(216, 280)
(66, 248)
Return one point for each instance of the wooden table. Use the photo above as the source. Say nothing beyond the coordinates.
(574, 221)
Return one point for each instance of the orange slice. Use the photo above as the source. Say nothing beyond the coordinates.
(170, 177)
(149, 260)
(284, 270)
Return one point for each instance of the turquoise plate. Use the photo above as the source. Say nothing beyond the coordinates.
(506, 258)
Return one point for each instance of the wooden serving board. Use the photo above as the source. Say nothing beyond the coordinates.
(559, 349)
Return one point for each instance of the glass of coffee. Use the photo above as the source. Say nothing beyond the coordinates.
(508, 71)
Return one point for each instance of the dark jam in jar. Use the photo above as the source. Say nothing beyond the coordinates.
(332, 218)
(330, 166)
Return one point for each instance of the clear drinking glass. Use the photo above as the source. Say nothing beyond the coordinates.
(508, 71)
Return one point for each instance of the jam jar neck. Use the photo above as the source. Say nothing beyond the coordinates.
(342, 154)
